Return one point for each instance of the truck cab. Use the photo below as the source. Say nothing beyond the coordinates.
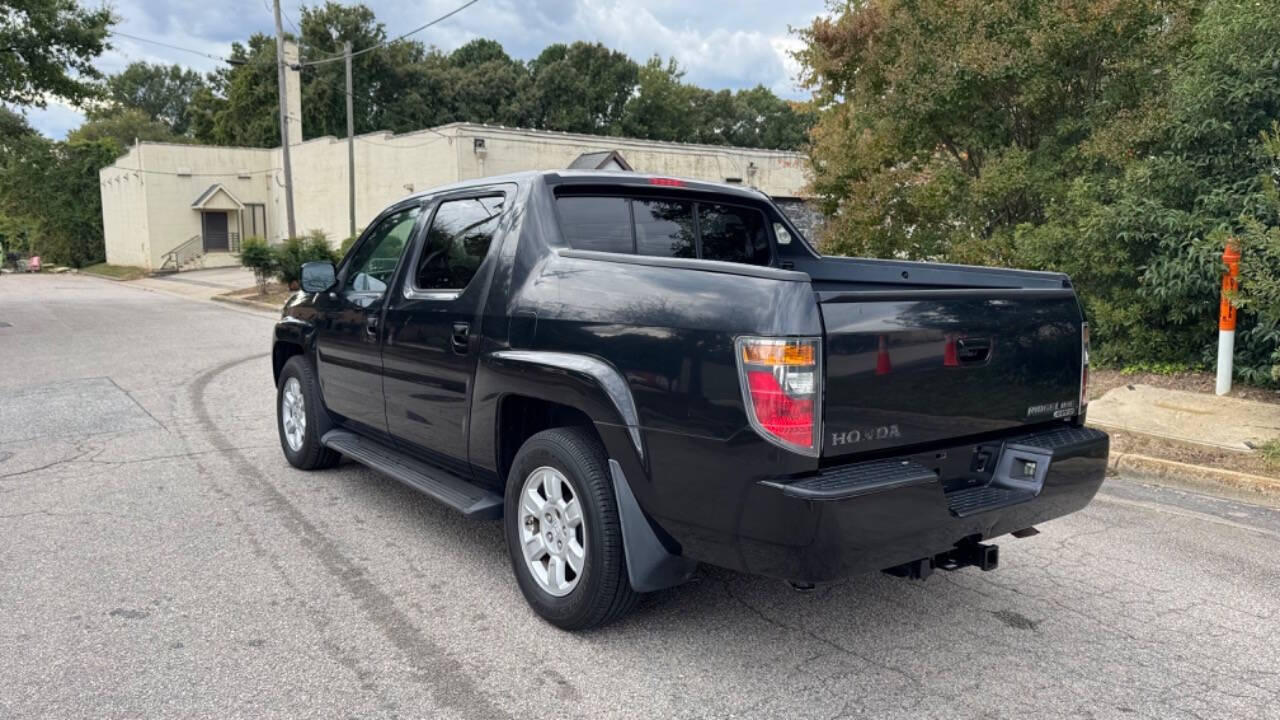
(636, 374)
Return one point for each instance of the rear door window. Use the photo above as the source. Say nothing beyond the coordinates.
(665, 228)
(457, 242)
(733, 234)
(596, 223)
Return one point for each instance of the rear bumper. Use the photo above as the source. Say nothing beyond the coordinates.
(868, 516)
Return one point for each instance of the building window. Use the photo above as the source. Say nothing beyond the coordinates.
(255, 220)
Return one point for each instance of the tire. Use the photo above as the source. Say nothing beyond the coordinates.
(600, 593)
(308, 454)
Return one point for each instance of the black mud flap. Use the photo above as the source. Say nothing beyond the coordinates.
(649, 566)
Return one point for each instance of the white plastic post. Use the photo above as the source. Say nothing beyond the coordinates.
(1226, 352)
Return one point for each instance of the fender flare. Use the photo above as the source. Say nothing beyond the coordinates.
(595, 387)
(614, 404)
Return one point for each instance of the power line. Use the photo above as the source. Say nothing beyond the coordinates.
(219, 58)
(343, 91)
(384, 43)
(308, 63)
(432, 141)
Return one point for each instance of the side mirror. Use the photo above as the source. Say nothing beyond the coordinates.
(318, 276)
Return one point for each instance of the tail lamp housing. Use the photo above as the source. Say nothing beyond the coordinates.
(1084, 366)
(782, 390)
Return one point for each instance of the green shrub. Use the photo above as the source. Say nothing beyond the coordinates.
(259, 257)
(1270, 451)
(294, 252)
(1122, 145)
(346, 245)
(1259, 296)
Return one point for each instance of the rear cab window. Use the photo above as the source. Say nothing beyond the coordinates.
(666, 227)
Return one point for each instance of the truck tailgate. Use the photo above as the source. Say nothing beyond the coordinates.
(912, 366)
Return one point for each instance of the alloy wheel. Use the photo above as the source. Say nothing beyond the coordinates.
(293, 414)
(552, 532)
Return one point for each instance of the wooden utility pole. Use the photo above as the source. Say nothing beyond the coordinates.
(351, 141)
(284, 123)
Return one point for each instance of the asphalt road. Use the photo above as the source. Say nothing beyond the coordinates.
(158, 557)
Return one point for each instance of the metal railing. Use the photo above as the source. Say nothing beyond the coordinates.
(175, 259)
(233, 242)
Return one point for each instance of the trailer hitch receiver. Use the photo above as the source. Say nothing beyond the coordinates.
(968, 554)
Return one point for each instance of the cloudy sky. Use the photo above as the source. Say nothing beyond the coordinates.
(721, 43)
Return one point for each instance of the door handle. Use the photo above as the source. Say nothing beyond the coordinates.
(461, 337)
(371, 327)
(973, 350)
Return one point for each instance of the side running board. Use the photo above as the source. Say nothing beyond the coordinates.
(442, 485)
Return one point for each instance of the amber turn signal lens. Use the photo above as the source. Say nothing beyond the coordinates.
(760, 352)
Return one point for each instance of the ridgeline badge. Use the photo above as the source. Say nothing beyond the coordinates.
(1060, 409)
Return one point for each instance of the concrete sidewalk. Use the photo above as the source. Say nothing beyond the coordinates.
(199, 284)
(1196, 418)
(1191, 439)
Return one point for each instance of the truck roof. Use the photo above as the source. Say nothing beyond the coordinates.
(597, 178)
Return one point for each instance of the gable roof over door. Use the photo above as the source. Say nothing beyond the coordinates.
(217, 197)
(603, 160)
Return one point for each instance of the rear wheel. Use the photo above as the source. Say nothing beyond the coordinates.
(563, 532)
(298, 411)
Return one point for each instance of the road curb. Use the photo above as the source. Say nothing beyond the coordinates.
(230, 300)
(100, 276)
(1201, 478)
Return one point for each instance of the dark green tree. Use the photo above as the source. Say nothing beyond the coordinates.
(582, 87)
(663, 107)
(978, 131)
(484, 84)
(387, 94)
(249, 114)
(122, 127)
(163, 93)
(47, 47)
(767, 121)
(52, 189)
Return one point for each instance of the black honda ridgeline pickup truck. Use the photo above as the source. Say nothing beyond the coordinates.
(638, 374)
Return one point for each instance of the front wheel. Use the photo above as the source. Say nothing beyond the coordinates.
(298, 411)
(563, 533)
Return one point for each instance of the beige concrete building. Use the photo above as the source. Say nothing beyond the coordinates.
(174, 206)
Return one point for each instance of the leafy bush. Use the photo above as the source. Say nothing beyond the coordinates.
(259, 257)
(346, 245)
(1121, 143)
(1270, 451)
(1259, 293)
(294, 252)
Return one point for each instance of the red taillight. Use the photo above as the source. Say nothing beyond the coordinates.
(781, 383)
(666, 182)
(1084, 366)
(789, 419)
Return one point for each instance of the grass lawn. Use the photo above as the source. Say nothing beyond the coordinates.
(115, 272)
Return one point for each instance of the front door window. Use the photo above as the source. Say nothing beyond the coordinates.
(375, 260)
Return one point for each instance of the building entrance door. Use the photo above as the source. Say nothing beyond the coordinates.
(215, 232)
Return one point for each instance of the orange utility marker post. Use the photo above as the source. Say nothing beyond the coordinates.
(1227, 319)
